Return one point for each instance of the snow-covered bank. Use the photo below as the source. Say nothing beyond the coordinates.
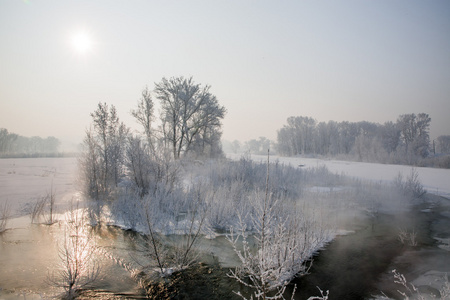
(436, 181)
(23, 180)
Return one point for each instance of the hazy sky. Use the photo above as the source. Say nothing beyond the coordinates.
(265, 60)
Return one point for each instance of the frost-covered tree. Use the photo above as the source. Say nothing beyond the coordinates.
(347, 133)
(7, 140)
(14, 143)
(90, 167)
(144, 114)
(301, 131)
(235, 146)
(444, 143)
(110, 135)
(188, 111)
(415, 133)
(139, 165)
(390, 136)
(259, 146)
(102, 158)
(285, 145)
(363, 140)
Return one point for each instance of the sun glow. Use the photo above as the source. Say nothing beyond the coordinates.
(81, 42)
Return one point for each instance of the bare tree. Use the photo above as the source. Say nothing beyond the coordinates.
(415, 132)
(144, 114)
(111, 136)
(44, 208)
(5, 214)
(7, 140)
(187, 110)
(444, 143)
(139, 165)
(390, 136)
(79, 269)
(102, 158)
(51, 199)
(90, 167)
(154, 250)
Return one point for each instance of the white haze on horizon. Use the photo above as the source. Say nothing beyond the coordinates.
(265, 61)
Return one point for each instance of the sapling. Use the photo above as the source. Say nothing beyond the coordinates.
(5, 214)
(38, 210)
(404, 236)
(79, 268)
(50, 199)
(411, 185)
(160, 255)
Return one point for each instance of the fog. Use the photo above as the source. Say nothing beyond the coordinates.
(265, 62)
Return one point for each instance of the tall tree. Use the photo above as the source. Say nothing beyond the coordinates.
(415, 132)
(7, 140)
(444, 143)
(187, 111)
(390, 136)
(111, 136)
(144, 114)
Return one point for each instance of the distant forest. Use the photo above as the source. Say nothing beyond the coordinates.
(406, 141)
(14, 145)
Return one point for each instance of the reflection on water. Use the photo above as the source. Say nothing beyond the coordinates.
(355, 266)
(31, 254)
(26, 256)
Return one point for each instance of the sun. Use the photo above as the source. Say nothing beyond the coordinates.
(81, 42)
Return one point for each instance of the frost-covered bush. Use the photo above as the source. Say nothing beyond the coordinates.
(127, 211)
(234, 184)
(284, 239)
(148, 169)
(78, 266)
(411, 185)
(410, 291)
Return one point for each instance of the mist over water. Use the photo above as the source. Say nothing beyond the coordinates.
(353, 266)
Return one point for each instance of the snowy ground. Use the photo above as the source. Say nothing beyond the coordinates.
(435, 181)
(24, 180)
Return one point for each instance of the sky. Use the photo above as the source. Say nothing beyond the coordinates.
(264, 60)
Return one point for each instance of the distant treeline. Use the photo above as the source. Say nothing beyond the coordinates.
(14, 145)
(406, 141)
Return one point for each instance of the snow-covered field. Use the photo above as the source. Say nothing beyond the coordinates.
(435, 181)
(23, 180)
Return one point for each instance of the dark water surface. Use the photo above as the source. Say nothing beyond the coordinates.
(350, 265)
(359, 265)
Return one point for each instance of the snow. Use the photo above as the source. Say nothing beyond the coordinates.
(435, 181)
(23, 180)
